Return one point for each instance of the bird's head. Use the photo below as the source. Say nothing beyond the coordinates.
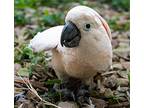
(81, 22)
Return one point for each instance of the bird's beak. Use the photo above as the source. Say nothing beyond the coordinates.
(70, 36)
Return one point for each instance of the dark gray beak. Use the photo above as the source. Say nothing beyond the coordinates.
(70, 36)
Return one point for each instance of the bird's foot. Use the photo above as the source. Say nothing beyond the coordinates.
(75, 91)
(68, 95)
(83, 96)
(66, 90)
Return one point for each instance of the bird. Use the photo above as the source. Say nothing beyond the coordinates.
(81, 48)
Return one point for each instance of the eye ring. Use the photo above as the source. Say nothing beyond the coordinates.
(87, 27)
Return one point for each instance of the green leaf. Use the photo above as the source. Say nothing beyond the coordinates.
(53, 81)
(23, 72)
(129, 76)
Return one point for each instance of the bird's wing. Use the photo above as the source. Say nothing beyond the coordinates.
(46, 40)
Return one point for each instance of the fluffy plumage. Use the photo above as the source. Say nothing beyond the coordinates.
(92, 55)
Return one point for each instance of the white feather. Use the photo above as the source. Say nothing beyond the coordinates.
(46, 40)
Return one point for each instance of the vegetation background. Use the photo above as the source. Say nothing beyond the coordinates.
(32, 16)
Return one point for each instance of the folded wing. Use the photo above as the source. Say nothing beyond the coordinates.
(46, 40)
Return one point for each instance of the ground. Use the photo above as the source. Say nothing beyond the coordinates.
(31, 16)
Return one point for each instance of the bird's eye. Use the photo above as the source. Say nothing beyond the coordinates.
(87, 27)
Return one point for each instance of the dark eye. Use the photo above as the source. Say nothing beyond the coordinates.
(87, 27)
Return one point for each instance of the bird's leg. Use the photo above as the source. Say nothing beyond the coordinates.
(74, 89)
(83, 95)
(68, 88)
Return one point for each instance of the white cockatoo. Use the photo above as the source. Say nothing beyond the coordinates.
(80, 49)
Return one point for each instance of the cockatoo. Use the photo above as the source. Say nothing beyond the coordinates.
(80, 49)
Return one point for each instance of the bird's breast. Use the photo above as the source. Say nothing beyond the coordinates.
(85, 63)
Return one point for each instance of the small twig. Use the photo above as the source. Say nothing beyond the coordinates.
(107, 73)
(126, 59)
(28, 84)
